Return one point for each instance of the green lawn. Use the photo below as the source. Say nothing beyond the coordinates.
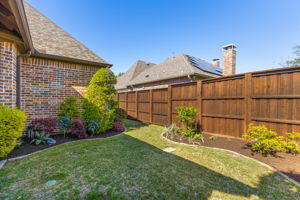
(133, 166)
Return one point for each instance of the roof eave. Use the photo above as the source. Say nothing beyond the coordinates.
(171, 77)
(17, 7)
(207, 76)
(73, 60)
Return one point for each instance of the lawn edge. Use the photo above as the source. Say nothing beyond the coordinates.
(5, 161)
(236, 153)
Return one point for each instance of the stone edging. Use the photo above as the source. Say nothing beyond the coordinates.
(236, 153)
(3, 162)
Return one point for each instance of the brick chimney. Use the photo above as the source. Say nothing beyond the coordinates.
(229, 59)
(215, 62)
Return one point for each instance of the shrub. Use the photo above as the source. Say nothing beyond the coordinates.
(64, 124)
(121, 115)
(90, 111)
(40, 138)
(118, 126)
(213, 137)
(100, 93)
(12, 124)
(265, 141)
(173, 132)
(46, 125)
(68, 107)
(101, 90)
(199, 137)
(93, 125)
(78, 128)
(186, 115)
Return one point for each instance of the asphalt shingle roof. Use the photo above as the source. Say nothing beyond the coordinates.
(50, 39)
(136, 69)
(177, 66)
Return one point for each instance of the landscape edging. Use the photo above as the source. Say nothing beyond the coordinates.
(264, 164)
(24, 156)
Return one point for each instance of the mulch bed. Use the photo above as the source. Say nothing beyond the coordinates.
(286, 163)
(27, 148)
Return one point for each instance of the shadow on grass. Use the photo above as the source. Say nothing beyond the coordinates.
(214, 181)
(132, 124)
(139, 170)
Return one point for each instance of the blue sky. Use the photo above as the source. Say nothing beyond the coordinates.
(123, 31)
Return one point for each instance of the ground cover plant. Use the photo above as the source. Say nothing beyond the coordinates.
(40, 138)
(134, 166)
(265, 141)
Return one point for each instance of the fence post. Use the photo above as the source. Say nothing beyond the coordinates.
(169, 104)
(118, 100)
(126, 102)
(137, 104)
(151, 105)
(248, 92)
(199, 103)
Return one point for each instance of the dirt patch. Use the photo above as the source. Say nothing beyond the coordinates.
(286, 163)
(27, 148)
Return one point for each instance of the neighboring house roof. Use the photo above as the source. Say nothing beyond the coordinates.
(136, 69)
(50, 39)
(177, 66)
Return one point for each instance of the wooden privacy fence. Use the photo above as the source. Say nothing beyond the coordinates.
(225, 105)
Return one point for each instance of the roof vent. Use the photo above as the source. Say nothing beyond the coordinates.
(147, 76)
(215, 62)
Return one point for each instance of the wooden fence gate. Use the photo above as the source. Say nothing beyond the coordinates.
(225, 105)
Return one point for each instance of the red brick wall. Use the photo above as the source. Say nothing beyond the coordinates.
(45, 83)
(8, 53)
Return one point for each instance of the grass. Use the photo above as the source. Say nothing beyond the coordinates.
(133, 166)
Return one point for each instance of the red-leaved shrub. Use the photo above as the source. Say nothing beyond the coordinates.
(46, 125)
(118, 126)
(78, 128)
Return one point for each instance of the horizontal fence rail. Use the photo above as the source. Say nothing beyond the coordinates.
(225, 105)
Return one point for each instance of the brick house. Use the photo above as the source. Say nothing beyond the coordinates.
(40, 63)
(180, 68)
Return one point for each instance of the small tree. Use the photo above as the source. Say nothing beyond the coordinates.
(100, 93)
(64, 124)
(295, 61)
(121, 74)
(186, 115)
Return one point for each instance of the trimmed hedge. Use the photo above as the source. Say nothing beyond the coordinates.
(12, 124)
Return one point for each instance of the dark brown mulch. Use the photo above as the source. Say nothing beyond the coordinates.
(286, 163)
(27, 148)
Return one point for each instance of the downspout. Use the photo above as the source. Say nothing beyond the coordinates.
(18, 77)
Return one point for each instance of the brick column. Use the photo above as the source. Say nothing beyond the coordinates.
(8, 58)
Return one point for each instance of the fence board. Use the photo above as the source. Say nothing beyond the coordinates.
(225, 105)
